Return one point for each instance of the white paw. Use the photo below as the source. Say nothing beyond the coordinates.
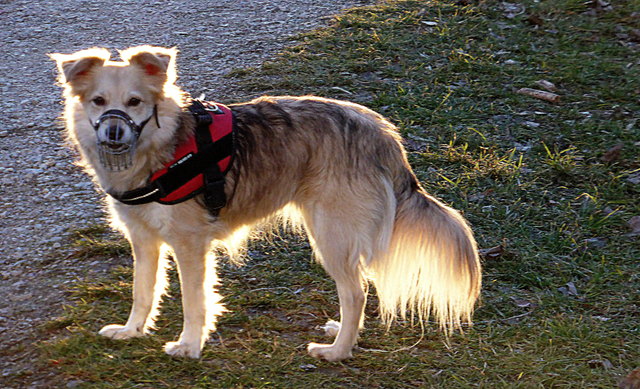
(179, 349)
(116, 331)
(328, 352)
(331, 328)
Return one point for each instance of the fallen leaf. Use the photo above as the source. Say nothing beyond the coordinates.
(480, 196)
(492, 253)
(634, 178)
(572, 288)
(337, 88)
(413, 145)
(632, 381)
(308, 367)
(594, 363)
(539, 94)
(511, 10)
(634, 224)
(521, 147)
(569, 289)
(521, 303)
(548, 85)
(535, 20)
(476, 197)
(595, 242)
(613, 154)
(601, 5)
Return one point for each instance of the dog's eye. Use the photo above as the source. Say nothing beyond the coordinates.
(133, 102)
(98, 101)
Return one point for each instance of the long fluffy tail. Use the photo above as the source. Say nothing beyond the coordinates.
(431, 266)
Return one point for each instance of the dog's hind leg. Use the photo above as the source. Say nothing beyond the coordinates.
(334, 239)
(149, 281)
(352, 300)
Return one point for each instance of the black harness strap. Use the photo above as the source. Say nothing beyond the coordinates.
(146, 194)
(214, 196)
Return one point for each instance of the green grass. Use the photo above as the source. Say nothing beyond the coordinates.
(529, 175)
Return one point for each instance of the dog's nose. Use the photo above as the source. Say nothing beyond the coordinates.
(115, 133)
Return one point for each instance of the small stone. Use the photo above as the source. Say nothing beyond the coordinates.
(569, 289)
(595, 363)
(308, 367)
(634, 178)
(634, 224)
(74, 383)
(595, 242)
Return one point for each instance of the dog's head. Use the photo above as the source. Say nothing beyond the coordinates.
(119, 98)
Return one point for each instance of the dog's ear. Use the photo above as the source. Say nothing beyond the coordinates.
(157, 63)
(76, 68)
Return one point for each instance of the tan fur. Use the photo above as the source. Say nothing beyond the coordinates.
(336, 168)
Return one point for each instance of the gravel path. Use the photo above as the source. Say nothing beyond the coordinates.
(42, 194)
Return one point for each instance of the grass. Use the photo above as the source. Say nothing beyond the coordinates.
(561, 298)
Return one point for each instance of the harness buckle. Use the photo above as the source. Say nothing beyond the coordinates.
(213, 108)
(200, 112)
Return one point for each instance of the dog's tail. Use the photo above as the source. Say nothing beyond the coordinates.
(431, 267)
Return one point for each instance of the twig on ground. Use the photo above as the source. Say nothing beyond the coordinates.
(548, 85)
(539, 94)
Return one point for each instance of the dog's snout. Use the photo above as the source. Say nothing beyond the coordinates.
(115, 133)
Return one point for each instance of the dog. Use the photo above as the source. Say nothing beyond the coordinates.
(336, 169)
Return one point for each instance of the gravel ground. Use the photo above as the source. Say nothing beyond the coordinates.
(42, 194)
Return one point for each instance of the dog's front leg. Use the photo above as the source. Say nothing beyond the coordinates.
(191, 260)
(146, 288)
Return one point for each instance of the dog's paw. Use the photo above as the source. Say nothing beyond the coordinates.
(116, 331)
(179, 349)
(331, 328)
(328, 352)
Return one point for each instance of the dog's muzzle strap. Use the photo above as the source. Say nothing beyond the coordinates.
(136, 128)
(115, 154)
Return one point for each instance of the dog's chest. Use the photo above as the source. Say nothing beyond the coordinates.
(166, 221)
(153, 217)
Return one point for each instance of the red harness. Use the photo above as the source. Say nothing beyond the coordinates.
(198, 165)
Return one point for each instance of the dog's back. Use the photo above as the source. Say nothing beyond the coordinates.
(343, 166)
(299, 148)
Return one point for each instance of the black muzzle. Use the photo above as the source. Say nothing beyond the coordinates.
(117, 136)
